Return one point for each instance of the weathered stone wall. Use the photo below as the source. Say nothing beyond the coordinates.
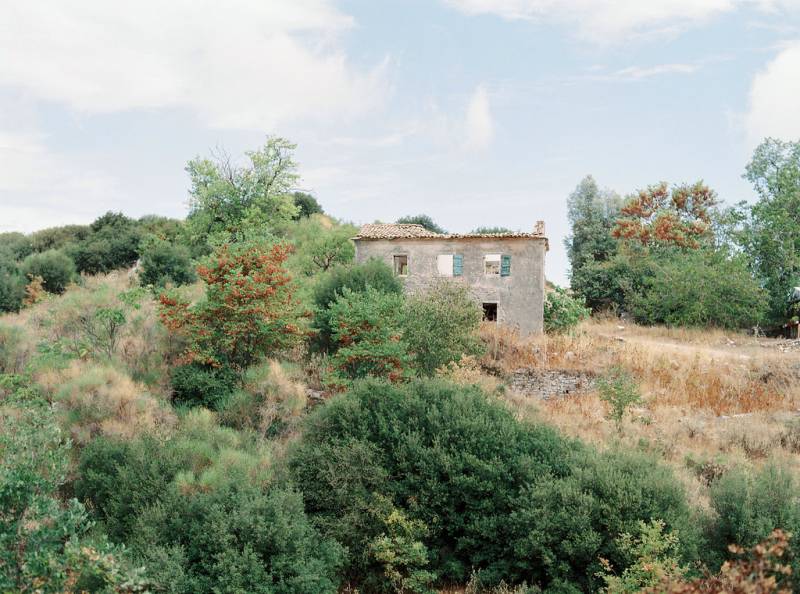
(519, 296)
(551, 383)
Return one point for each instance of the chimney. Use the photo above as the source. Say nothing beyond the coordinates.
(538, 228)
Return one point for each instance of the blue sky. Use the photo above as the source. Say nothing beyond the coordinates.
(477, 112)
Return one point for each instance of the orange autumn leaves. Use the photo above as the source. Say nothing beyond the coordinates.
(660, 216)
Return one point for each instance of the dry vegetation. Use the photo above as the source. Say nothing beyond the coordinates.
(711, 399)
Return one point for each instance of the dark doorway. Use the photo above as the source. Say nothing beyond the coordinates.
(490, 312)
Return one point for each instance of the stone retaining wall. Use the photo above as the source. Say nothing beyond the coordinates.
(549, 383)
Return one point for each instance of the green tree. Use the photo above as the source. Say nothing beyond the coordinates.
(562, 311)
(165, 263)
(113, 243)
(706, 288)
(356, 278)
(306, 205)
(490, 230)
(320, 244)
(12, 284)
(421, 219)
(592, 213)
(440, 326)
(367, 329)
(229, 201)
(619, 391)
(248, 311)
(771, 234)
(56, 269)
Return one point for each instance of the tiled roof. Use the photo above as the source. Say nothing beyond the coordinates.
(414, 231)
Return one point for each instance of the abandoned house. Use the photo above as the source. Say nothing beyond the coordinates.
(505, 271)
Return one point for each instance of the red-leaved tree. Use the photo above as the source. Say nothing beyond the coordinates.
(660, 216)
(249, 309)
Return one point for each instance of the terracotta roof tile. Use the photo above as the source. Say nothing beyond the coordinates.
(414, 231)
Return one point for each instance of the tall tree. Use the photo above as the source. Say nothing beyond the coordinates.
(228, 201)
(771, 233)
(592, 213)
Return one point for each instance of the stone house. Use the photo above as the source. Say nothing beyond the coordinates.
(505, 271)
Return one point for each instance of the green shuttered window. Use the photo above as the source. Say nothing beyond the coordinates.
(458, 265)
(505, 266)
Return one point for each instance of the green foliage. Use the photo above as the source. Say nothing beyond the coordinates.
(402, 555)
(592, 214)
(165, 263)
(512, 500)
(748, 506)
(306, 205)
(197, 384)
(490, 230)
(440, 326)
(319, 245)
(421, 219)
(230, 202)
(655, 555)
(113, 243)
(12, 284)
(701, 288)
(16, 245)
(619, 391)
(771, 230)
(356, 278)
(54, 267)
(56, 238)
(249, 309)
(563, 311)
(45, 543)
(368, 335)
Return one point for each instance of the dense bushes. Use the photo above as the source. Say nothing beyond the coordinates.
(197, 384)
(356, 278)
(510, 500)
(112, 243)
(12, 284)
(55, 268)
(165, 263)
(563, 311)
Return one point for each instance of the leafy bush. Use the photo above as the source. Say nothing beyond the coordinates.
(55, 268)
(514, 501)
(43, 541)
(563, 311)
(57, 238)
(441, 326)
(368, 333)
(16, 245)
(12, 284)
(702, 288)
(248, 312)
(165, 263)
(619, 391)
(306, 205)
(113, 243)
(748, 506)
(356, 278)
(196, 384)
(320, 243)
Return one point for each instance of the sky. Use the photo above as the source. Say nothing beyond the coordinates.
(476, 112)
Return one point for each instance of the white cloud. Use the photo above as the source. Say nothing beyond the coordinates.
(639, 72)
(773, 108)
(479, 124)
(238, 64)
(613, 21)
(48, 188)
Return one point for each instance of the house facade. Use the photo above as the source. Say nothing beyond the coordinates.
(504, 271)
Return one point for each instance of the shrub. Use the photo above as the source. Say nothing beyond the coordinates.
(511, 500)
(16, 245)
(55, 268)
(748, 506)
(113, 243)
(441, 326)
(165, 263)
(368, 333)
(356, 278)
(248, 312)
(562, 311)
(45, 543)
(12, 285)
(619, 391)
(196, 384)
(703, 288)
(269, 402)
(306, 205)
(320, 244)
